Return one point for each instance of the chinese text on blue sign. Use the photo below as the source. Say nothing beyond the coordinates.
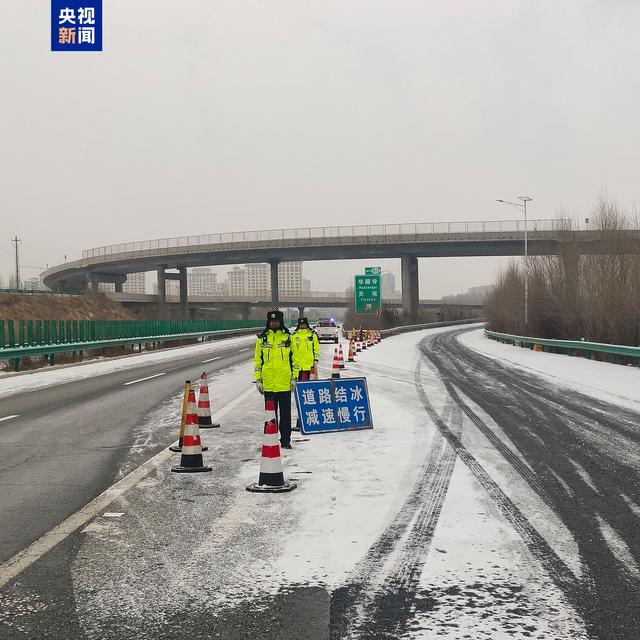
(333, 405)
(76, 25)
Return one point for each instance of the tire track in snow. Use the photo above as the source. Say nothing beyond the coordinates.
(563, 432)
(378, 600)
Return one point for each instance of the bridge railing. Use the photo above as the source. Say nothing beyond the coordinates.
(26, 338)
(613, 352)
(406, 230)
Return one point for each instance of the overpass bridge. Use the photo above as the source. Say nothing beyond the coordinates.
(407, 242)
(244, 304)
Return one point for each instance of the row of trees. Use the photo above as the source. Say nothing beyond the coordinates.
(591, 293)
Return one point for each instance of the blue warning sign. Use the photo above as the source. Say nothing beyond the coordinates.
(333, 405)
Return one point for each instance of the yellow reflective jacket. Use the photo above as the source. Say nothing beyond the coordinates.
(273, 360)
(306, 349)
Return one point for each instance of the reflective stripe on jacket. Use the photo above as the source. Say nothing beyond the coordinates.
(306, 349)
(273, 360)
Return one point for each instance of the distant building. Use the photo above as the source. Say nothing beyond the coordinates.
(258, 279)
(290, 281)
(483, 290)
(389, 285)
(33, 284)
(236, 282)
(202, 282)
(136, 283)
(306, 285)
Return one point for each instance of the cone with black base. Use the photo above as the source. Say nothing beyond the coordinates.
(191, 458)
(177, 448)
(350, 357)
(271, 478)
(204, 406)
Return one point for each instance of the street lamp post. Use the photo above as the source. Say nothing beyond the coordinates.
(523, 207)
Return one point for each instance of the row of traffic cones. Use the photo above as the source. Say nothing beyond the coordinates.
(355, 346)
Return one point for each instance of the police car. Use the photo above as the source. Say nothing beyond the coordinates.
(327, 329)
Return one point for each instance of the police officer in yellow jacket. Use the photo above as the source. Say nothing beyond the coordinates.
(306, 349)
(275, 375)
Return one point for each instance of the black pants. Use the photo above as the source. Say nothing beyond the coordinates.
(282, 400)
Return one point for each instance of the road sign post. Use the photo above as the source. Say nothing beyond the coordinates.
(367, 293)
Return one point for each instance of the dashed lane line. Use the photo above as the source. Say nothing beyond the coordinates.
(25, 558)
(157, 375)
(9, 417)
(211, 359)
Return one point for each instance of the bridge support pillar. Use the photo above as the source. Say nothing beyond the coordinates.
(162, 289)
(275, 294)
(410, 288)
(300, 312)
(245, 312)
(184, 299)
(118, 286)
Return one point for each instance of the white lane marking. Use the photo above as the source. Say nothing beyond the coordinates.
(25, 558)
(247, 349)
(113, 514)
(157, 375)
(211, 359)
(8, 417)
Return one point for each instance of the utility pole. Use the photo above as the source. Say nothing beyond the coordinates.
(16, 241)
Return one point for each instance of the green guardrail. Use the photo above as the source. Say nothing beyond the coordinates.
(27, 338)
(613, 352)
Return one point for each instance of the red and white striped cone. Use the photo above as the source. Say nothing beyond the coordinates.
(358, 346)
(364, 344)
(177, 448)
(204, 407)
(341, 357)
(350, 357)
(191, 458)
(271, 478)
(335, 367)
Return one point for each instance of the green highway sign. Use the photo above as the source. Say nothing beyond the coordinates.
(372, 271)
(367, 293)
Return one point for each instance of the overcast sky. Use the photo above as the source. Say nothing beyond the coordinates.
(203, 116)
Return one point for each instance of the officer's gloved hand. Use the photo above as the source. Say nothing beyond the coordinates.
(259, 387)
(294, 382)
(315, 365)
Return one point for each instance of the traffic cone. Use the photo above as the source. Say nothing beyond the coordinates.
(364, 344)
(335, 368)
(191, 458)
(185, 400)
(350, 357)
(204, 407)
(341, 358)
(271, 478)
(358, 346)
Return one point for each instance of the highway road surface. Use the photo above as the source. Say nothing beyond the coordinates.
(491, 500)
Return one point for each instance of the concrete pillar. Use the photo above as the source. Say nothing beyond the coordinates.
(162, 289)
(245, 312)
(300, 312)
(410, 289)
(275, 294)
(118, 286)
(184, 299)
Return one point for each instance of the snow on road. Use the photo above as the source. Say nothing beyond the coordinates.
(381, 518)
(41, 378)
(609, 382)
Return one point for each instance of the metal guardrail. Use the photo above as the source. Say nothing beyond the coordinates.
(51, 337)
(571, 347)
(428, 325)
(324, 233)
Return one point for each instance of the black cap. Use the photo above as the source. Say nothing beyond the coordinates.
(303, 321)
